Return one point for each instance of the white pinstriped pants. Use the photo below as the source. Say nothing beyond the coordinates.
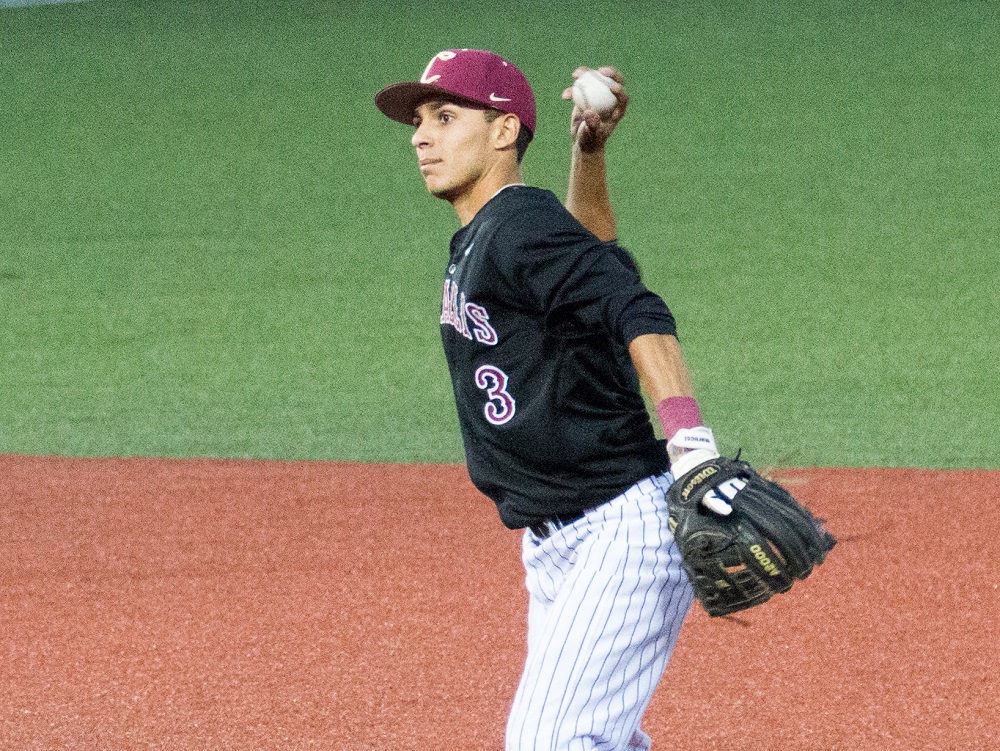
(607, 600)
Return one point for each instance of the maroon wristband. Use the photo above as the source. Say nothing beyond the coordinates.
(677, 412)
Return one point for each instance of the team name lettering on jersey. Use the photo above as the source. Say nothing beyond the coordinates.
(467, 318)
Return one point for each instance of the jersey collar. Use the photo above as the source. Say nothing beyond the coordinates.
(508, 185)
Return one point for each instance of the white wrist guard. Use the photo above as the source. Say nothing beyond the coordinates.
(689, 447)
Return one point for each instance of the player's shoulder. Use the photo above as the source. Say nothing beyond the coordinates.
(529, 214)
(514, 200)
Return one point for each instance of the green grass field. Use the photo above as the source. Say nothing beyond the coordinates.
(214, 245)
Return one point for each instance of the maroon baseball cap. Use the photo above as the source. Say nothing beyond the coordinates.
(474, 76)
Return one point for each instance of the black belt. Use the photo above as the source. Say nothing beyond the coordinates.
(546, 527)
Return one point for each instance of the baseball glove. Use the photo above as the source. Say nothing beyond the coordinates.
(740, 559)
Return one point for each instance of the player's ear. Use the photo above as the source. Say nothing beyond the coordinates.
(505, 130)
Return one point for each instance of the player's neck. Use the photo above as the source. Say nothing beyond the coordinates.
(468, 204)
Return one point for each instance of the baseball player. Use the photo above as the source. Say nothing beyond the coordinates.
(548, 332)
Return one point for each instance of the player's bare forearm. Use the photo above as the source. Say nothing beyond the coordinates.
(587, 198)
(661, 367)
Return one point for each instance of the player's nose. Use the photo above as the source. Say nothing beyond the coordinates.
(420, 137)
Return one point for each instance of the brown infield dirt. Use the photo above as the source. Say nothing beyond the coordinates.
(204, 604)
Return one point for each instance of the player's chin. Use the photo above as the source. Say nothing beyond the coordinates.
(432, 182)
(441, 190)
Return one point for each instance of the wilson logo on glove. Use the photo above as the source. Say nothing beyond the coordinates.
(698, 479)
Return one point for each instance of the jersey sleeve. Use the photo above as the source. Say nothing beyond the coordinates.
(583, 285)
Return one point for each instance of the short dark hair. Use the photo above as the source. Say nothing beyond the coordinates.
(524, 135)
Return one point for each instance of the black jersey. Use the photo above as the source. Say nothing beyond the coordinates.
(536, 317)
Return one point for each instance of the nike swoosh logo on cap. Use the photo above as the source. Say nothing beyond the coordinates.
(495, 98)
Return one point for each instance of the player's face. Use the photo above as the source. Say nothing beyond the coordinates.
(452, 144)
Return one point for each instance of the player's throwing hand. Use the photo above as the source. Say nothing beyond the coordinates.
(590, 128)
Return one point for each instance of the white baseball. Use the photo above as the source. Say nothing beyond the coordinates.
(592, 91)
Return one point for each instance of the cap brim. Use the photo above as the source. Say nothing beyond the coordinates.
(400, 100)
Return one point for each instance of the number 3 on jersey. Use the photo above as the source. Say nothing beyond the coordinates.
(500, 406)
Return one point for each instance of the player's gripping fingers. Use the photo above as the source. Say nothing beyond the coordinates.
(619, 90)
(588, 127)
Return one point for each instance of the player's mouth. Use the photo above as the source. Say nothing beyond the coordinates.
(426, 164)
